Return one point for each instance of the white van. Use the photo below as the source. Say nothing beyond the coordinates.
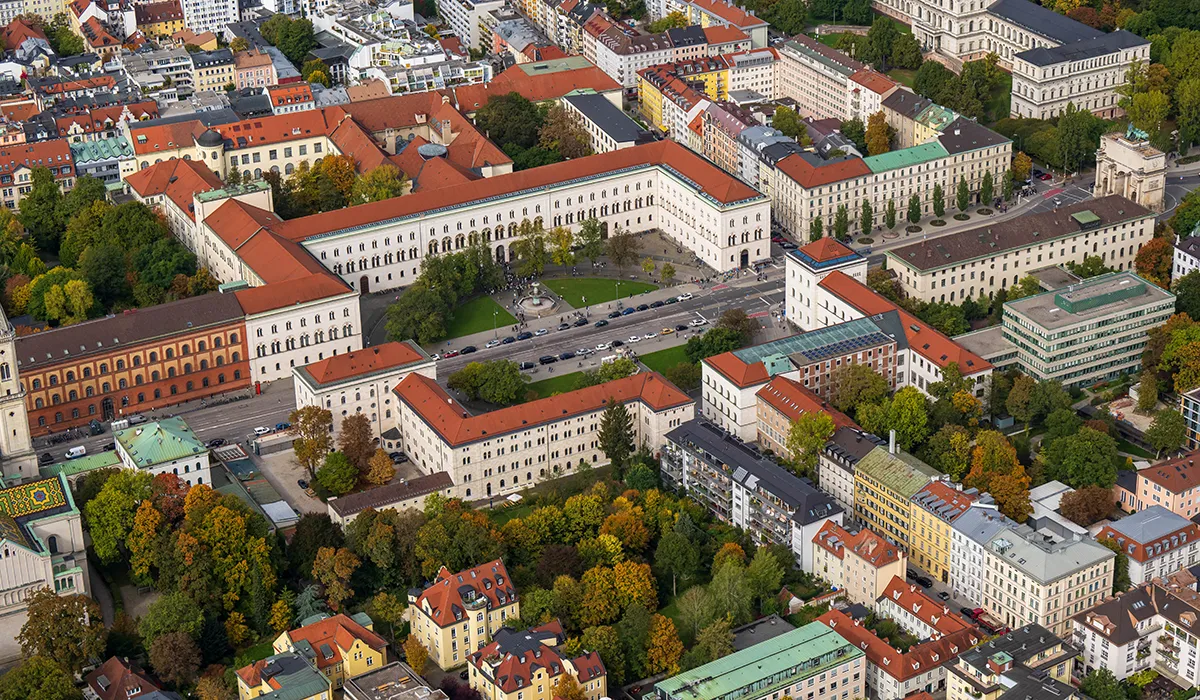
(76, 452)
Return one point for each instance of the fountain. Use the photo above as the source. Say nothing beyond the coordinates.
(537, 302)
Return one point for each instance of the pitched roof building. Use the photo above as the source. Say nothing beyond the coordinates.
(339, 646)
(530, 663)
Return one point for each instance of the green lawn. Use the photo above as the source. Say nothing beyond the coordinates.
(904, 76)
(585, 291)
(476, 315)
(559, 383)
(661, 360)
(1132, 449)
(998, 103)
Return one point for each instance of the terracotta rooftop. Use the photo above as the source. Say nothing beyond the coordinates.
(865, 544)
(793, 399)
(365, 362)
(735, 370)
(177, 179)
(296, 93)
(1175, 475)
(18, 31)
(717, 34)
(536, 88)
(944, 501)
(825, 249)
(919, 659)
(102, 118)
(519, 657)
(809, 176)
(458, 427)
(251, 58)
(337, 634)
(54, 154)
(932, 612)
(874, 81)
(729, 12)
(99, 82)
(446, 600)
(120, 679)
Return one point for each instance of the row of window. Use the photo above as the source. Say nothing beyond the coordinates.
(76, 413)
(136, 360)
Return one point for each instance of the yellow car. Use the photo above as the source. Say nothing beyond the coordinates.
(668, 331)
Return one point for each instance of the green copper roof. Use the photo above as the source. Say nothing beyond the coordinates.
(162, 441)
(296, 678)
(936, 117)
(231, 190)
(72, 467)
(763, 668)
(554, 65)
(900, 472)
(906, 157)
(101, 149)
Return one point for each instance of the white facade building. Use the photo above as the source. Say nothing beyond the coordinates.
(1156, 541)
(209, 15)
(1186, 257)
(969, 534)
(466, 18)
(166, 446)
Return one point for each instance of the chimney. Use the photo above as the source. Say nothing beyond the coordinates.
(891, 442)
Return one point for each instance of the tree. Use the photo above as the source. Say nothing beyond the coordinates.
(906, 413)
(281, 616)
(714, 342)
(1026, 287)
(1187, 294)
(1101, 684)
(175, 658)
(561, 243)
(564, 132)
(213, 687)
(914, 204)
(333, 569)
(1121, 580)
(1086, 458)
(510, 119)
(939, 200)
(738, 321)
(356, 441)
(38, 677)
(416, 654)
(663, 647)
(806, 436)
(877, 129)
(1020, 399)
(1153, 261)
(377, 184)
(68, 629)
(867, 218)
(854, 130)
(1092, 266)
(41, 210)
(841, 223)
(623, 248)
(673, 20)
(1167, 431)
(993, 456)
(1148, 110)
(765, 574)
(499, 382)
(730, 591)
(310, 425)
(1007, 188)
(616, 433)
(173, 612)
(730, 551)
(676, 557)
(648, 265)
(788, 122)
(1078, 137)
(949, 451)
(963, 198)
(110, 515)
(890, 217)
(239, 44)
(714, 641)
(667, 273)
(599, 603)
(1147, 391)
(816, 229)
(634, 585)
(1087, 505)
(1181, 356)
(906, 52)
(590, 239)
(338, 475)
(296, 40)
(314, 531)
(380, 469)
(1022, 166)
(1011, 492)
(604, 640)
(987, 189)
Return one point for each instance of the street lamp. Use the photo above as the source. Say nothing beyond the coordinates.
(494, 312)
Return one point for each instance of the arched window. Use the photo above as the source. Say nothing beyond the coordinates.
(153, 356)
(170, 371)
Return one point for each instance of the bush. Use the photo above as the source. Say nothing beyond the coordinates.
(937, 222)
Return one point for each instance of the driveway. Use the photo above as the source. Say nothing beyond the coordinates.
(282, 472)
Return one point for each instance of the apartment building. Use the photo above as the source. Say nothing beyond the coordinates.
(1186, 257)
(885, 482)
(1091, 331)
(780, 404)
(741, 487)
(1040, 577)
(1129, 166)
(862, 564)
(1189, 406)
(361, 382)
(608, 128)
(980, 261)
(1156, 541)
(931, 528)
(287, 675)
(209, 15)
(970, 533)
(826, 286)
(253, 69)
(1173, 484)
(866, 92)
(159, 20)
(212, 70)
(837, 461)
(1152, 627)
(532, 664)
(1029, 662)
(783, 666)
(458, 614)
(715, 13)
(914, 119)
(17, 162)
(817, 77)
(621, 52)
(339, 646)
(466, 18)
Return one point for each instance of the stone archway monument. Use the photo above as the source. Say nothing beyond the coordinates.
(1127, 165)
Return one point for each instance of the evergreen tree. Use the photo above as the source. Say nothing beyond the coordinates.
(890, 217)
(939, 201)
(616, 434)
(964, 195)
(867, 218)
(816, 229)
(987, 190)
(914, 209)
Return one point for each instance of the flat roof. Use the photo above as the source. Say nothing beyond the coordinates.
(605, 115)
(788, 659)
(1107, 295)
(1046, 558)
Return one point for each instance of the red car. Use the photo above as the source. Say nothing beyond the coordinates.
(452, 353)
(1045, 176)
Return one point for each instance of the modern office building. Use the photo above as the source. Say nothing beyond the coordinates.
(743, 488)
(811, 659)
(885, 482)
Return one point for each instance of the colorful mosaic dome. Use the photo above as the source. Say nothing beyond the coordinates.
(32, 498)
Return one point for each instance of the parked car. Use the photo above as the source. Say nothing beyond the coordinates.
(262, 430)
(527, 365)
(614, 314)
(563, 326)
(601, 323)
(109, 446)
(541, 331)
(568, 355)
(924, 582)
(912, 574)
(136, 419)
(435, 357)
(449, 354)
(627, 310)
(603, 346)
(787, 245)
(215, 443)
(1037, 172)
(283, 426)
(580, 322)
(302, 483)
(583, 352)
(671, 300)
(468, 350)
(643, 307)
(507, 339)
(524, 335)
(95, 428)
(944, 595)
(491, 343)
(633, 339)
(398, 457)
(684, 297)
(650, 335)
(656, 305)
(617, 343)
(46, 458)
(547, 359)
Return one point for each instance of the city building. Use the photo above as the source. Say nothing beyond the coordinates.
(715, 13)
(919, 614)
(741, 487)
(540, 81)
(1156, 541)
(132, 362)
(164, 446)
(608, 127)
(212, 70)
(885, 482)
(152, 70)
(339, 646)
(1029, 662)
(980, 261)
(94, 124)
(532, 663)
(915, 119)
(837, 461)
(1186, 257)
(1091, 331)
(285, 676)
(44, 539)
(1173, 484)
(459, 614)
(970, 535)
(781, 403)
(209, 15)
(1151, 627)
(1189, 405)
(253, 69)
(288, 99)
(466, 18)
(1084, 73)
(1040, 577)
(18, 161)
(361, 382)
(1128, 166)
(397, 494)
(159, 20)
(781, 666)
(934, 510)
(120, 679)
(817, 77)
(861, 564)
(108, 160)
(396, 681)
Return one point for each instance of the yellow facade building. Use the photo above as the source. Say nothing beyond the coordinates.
(885, 482)
(459, 613)
(212, 70)
(159, 19)
(934, 510)
(530, 665)
(341, 647)
(286, 676)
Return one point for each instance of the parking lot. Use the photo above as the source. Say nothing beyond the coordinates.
(282, 472)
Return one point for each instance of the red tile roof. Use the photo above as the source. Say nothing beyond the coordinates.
(458, 427)
(155, 12)
(874, 81)
(539, 88)
(365, 362)
(544, 53)
(934, 613)
(445, 597)
(793, 399)
(430, 173)
(257, 300)
(735, 370)
(951, 502)
(120, 679)
(20, 111)
(919, 659)
(177, 179)
(452, 45)
(519, 656)
(102, 118)
(50, 154)
(82, 85)
(810, 176)
(18, 31)
(825, 249)
(97, 36)
(1175, 475)
(150, 139)
(338, 633)
(367, 90)
(297, 93)
(1160, 546)
(865, 544)
(923, 339)
(716, 34)
(729, 12)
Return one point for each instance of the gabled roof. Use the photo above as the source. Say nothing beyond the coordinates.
(177, 179)
(1176, 475)
(450, 595)
(729, 12)
(327, 641)
(18, 31)
(742, 374)
(120, 679)
(825, 249)
(934, 613)
(54, 154)
(164, 440)
(513, 659)
(793, 399)
(537, 82)
(458, 427)
(717, 34)
(866, 545)
(808, 176)
(919, 659)
(364, 363)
